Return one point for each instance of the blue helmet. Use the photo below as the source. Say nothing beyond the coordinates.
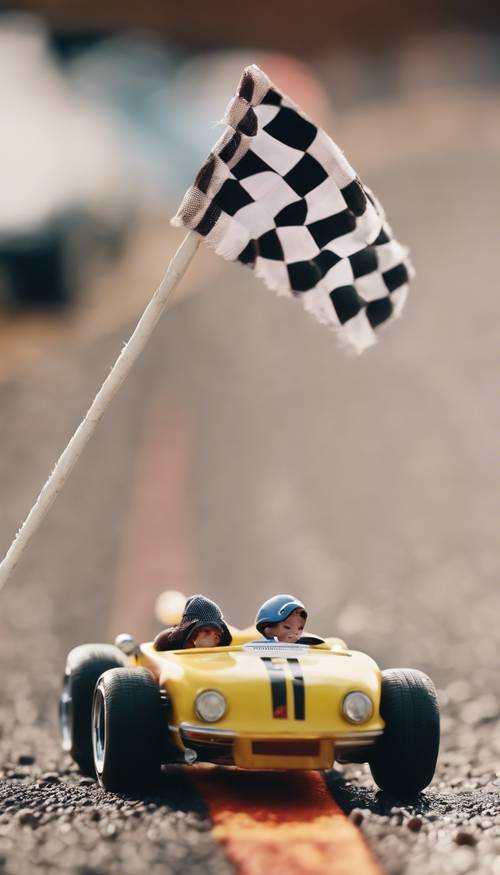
(276, 609)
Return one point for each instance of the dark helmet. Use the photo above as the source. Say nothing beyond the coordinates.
(277, 609)
(204, 612)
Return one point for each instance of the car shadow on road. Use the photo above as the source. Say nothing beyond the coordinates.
(182, 789)
(173, 790)
(350, 796)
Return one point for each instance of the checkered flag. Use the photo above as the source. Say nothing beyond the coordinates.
(276, 193)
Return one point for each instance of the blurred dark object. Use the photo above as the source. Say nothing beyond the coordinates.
(46, 268)
(35, 270)
(316, 25)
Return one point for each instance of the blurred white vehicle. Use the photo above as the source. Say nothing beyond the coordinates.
(65, 194)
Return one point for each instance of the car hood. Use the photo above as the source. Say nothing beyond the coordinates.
(272, 689)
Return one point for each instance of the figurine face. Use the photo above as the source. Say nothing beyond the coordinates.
(287, 630)
(207, 636)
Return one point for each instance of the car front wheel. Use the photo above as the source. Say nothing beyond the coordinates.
(404, 759)
(127, 729)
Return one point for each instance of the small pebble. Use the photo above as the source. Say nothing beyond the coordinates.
(86, 782)
(50, 778)
(25, 759)
(414, 824)
(356, 816)
(463, 837)
(27, 817)
(109, 831)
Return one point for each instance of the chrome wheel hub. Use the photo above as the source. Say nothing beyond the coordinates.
(99, 730)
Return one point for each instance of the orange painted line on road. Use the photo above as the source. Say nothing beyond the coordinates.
(156, 552)
(282, 822)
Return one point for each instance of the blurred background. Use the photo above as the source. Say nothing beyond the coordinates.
(246, 454)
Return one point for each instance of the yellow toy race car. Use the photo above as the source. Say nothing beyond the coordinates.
(126, 709)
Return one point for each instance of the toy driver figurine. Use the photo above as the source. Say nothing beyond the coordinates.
(202, 625)
(282, 618)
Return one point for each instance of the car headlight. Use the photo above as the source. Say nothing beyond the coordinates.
(357, 707)
(210, 705)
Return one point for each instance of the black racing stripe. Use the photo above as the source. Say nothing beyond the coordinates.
(278, 688)
(299, 701)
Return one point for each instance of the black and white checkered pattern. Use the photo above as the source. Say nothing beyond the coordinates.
(278, 194)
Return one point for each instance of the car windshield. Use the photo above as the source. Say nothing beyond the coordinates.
(275, 647)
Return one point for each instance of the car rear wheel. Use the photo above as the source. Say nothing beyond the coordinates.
(127, 728)
(404, 759)
(84, 666)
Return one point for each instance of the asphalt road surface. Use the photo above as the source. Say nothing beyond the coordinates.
(364, 485)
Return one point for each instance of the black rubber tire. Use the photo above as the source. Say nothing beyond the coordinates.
(404, 759)
(84, 666)
(128, 726)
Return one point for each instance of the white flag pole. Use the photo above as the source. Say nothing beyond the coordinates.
(144, 328)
